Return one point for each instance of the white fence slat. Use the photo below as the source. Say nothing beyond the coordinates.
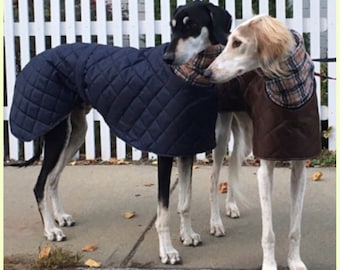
(297, 16)
(264, 7)
(247, 10)
(70, 21)
(165, 20)
(117, 23)
(332, 73)
(152, 156)
(133, 24)
(181, 2)
(230, 7)
(25, 55)
(101, 22)
(55, 23)
(105, 135)
(315, 43)
(134, 42)
(10, 71)
(105, 140)
(136, 154)
(150, 22)
(281, 10)
(85, 21)
(120, 149)
(89, 138)
(201, 156)
(215, 2)
(85, 28)
(39, 18)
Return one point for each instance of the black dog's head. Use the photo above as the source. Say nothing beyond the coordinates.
(195, 27)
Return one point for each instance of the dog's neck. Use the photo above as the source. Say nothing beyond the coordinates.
(192, 72)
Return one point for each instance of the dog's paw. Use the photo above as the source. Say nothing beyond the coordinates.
(65, 220)
(190, 239)
(55, 234)
(232, 210)
(217, 228)
(296, 265)
(170, 256)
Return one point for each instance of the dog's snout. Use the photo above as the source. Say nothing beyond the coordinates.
(207, 73)
(169, 57)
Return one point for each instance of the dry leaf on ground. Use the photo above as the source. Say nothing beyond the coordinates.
(129, 214)
(317, 176)
(45, 252)
(89, 248)
(92, 263)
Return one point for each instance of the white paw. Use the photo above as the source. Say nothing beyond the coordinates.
(216, 227)
(190, 238)
(55, 234)
(64, 220)
(269, 266)
(232, 210)
(169, 255)
(296, 265)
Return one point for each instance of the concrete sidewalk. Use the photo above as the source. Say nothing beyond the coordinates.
(98, 195)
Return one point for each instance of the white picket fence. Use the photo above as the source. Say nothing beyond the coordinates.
(139, 29)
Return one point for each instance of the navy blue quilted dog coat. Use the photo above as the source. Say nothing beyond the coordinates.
(138, 95)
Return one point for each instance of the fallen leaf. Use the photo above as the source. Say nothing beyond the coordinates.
(206, 160)
(92, 263)
(73, 163)
(223, 187)
(154, 162)
(45, 252)
(122, 162)
(195, 167)
(148, 185)
(317, 176)
(89, 248)
(308, 163)
(129, 214)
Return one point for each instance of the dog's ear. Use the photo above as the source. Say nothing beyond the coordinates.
(221, 22)
(179, 8)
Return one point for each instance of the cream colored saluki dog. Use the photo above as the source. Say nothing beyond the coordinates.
(263, 43)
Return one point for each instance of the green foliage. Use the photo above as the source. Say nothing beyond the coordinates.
(325, 159)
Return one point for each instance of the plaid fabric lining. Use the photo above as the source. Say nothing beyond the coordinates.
(192, 72)
(296, 89)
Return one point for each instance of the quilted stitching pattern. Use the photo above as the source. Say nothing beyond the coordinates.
(140, 98)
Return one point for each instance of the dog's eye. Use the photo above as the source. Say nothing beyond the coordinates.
(236, 43)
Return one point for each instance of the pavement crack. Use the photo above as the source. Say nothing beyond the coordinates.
(140, 240)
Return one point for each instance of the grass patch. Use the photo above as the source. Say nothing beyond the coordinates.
(58, 258)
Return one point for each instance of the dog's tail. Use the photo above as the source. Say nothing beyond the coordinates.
(242, 129)
(37, 154)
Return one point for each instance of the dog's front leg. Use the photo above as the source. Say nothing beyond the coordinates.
(187, 234)
(265, 182)
(298, 187)
(167, 252)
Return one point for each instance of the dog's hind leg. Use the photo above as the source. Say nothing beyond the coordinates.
(265, 183)
(167, 253)
(223, 130)
(55, 142)
(77, 137)
(187, 234)
(298, 187)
